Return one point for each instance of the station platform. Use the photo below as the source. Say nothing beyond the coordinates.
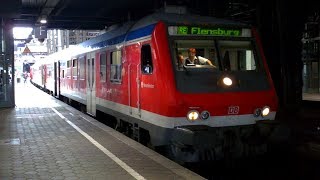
(314, 97)
(43, 138)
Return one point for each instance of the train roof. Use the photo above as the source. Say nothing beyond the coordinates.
(123, 32)
(170, 17)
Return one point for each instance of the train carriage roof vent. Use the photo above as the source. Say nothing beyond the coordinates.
(175, 9)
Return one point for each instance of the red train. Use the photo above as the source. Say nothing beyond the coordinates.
(195, 111)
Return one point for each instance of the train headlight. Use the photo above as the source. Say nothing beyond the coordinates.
(257, 112)
(265, 111)
(205, 115)
(227, 81)
(193, 115)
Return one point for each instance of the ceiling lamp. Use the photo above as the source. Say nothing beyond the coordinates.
(43, 19)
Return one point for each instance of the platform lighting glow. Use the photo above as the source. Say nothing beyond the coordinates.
(21, 32)
(227, 81)
(43, 21)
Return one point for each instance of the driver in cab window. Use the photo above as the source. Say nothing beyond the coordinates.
(193, 59)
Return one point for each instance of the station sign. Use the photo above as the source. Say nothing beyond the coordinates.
(40, 32)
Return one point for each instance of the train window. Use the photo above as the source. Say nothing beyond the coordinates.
(62, 74)
(75, 69)
(146, 60)
(103, 67)
(237, 55)
(115, 66)
(205, 50)
(68, 69)
(82, 68)
(49, 71)
(74, 63)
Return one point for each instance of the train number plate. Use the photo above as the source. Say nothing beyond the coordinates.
(233, 110)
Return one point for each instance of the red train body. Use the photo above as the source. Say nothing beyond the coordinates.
(132, 73)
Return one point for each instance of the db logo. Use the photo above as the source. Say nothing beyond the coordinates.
(233, 110)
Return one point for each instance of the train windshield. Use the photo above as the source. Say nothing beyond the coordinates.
(220, 55)
(201, 62)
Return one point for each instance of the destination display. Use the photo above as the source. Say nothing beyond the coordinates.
(207, 31)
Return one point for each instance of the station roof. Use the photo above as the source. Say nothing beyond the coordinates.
(98, 14)
(72, 14)
(75, 14)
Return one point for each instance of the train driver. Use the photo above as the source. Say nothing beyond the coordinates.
(193, 59)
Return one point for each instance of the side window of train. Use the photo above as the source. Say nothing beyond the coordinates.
(68, 75)
(115, 66)
(82, 67)
(103, 67)
(75, 69)
(146, 59)
(62, 69)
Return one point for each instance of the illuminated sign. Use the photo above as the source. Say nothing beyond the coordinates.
(208, 31)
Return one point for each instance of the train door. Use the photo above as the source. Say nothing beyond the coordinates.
(140, 79)
(147, 82)
(91, 84)
(57, 79)
(134, 76)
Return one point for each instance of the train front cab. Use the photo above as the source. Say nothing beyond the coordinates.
(229, 118)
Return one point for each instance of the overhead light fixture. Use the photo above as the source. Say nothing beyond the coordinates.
(43, 19)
